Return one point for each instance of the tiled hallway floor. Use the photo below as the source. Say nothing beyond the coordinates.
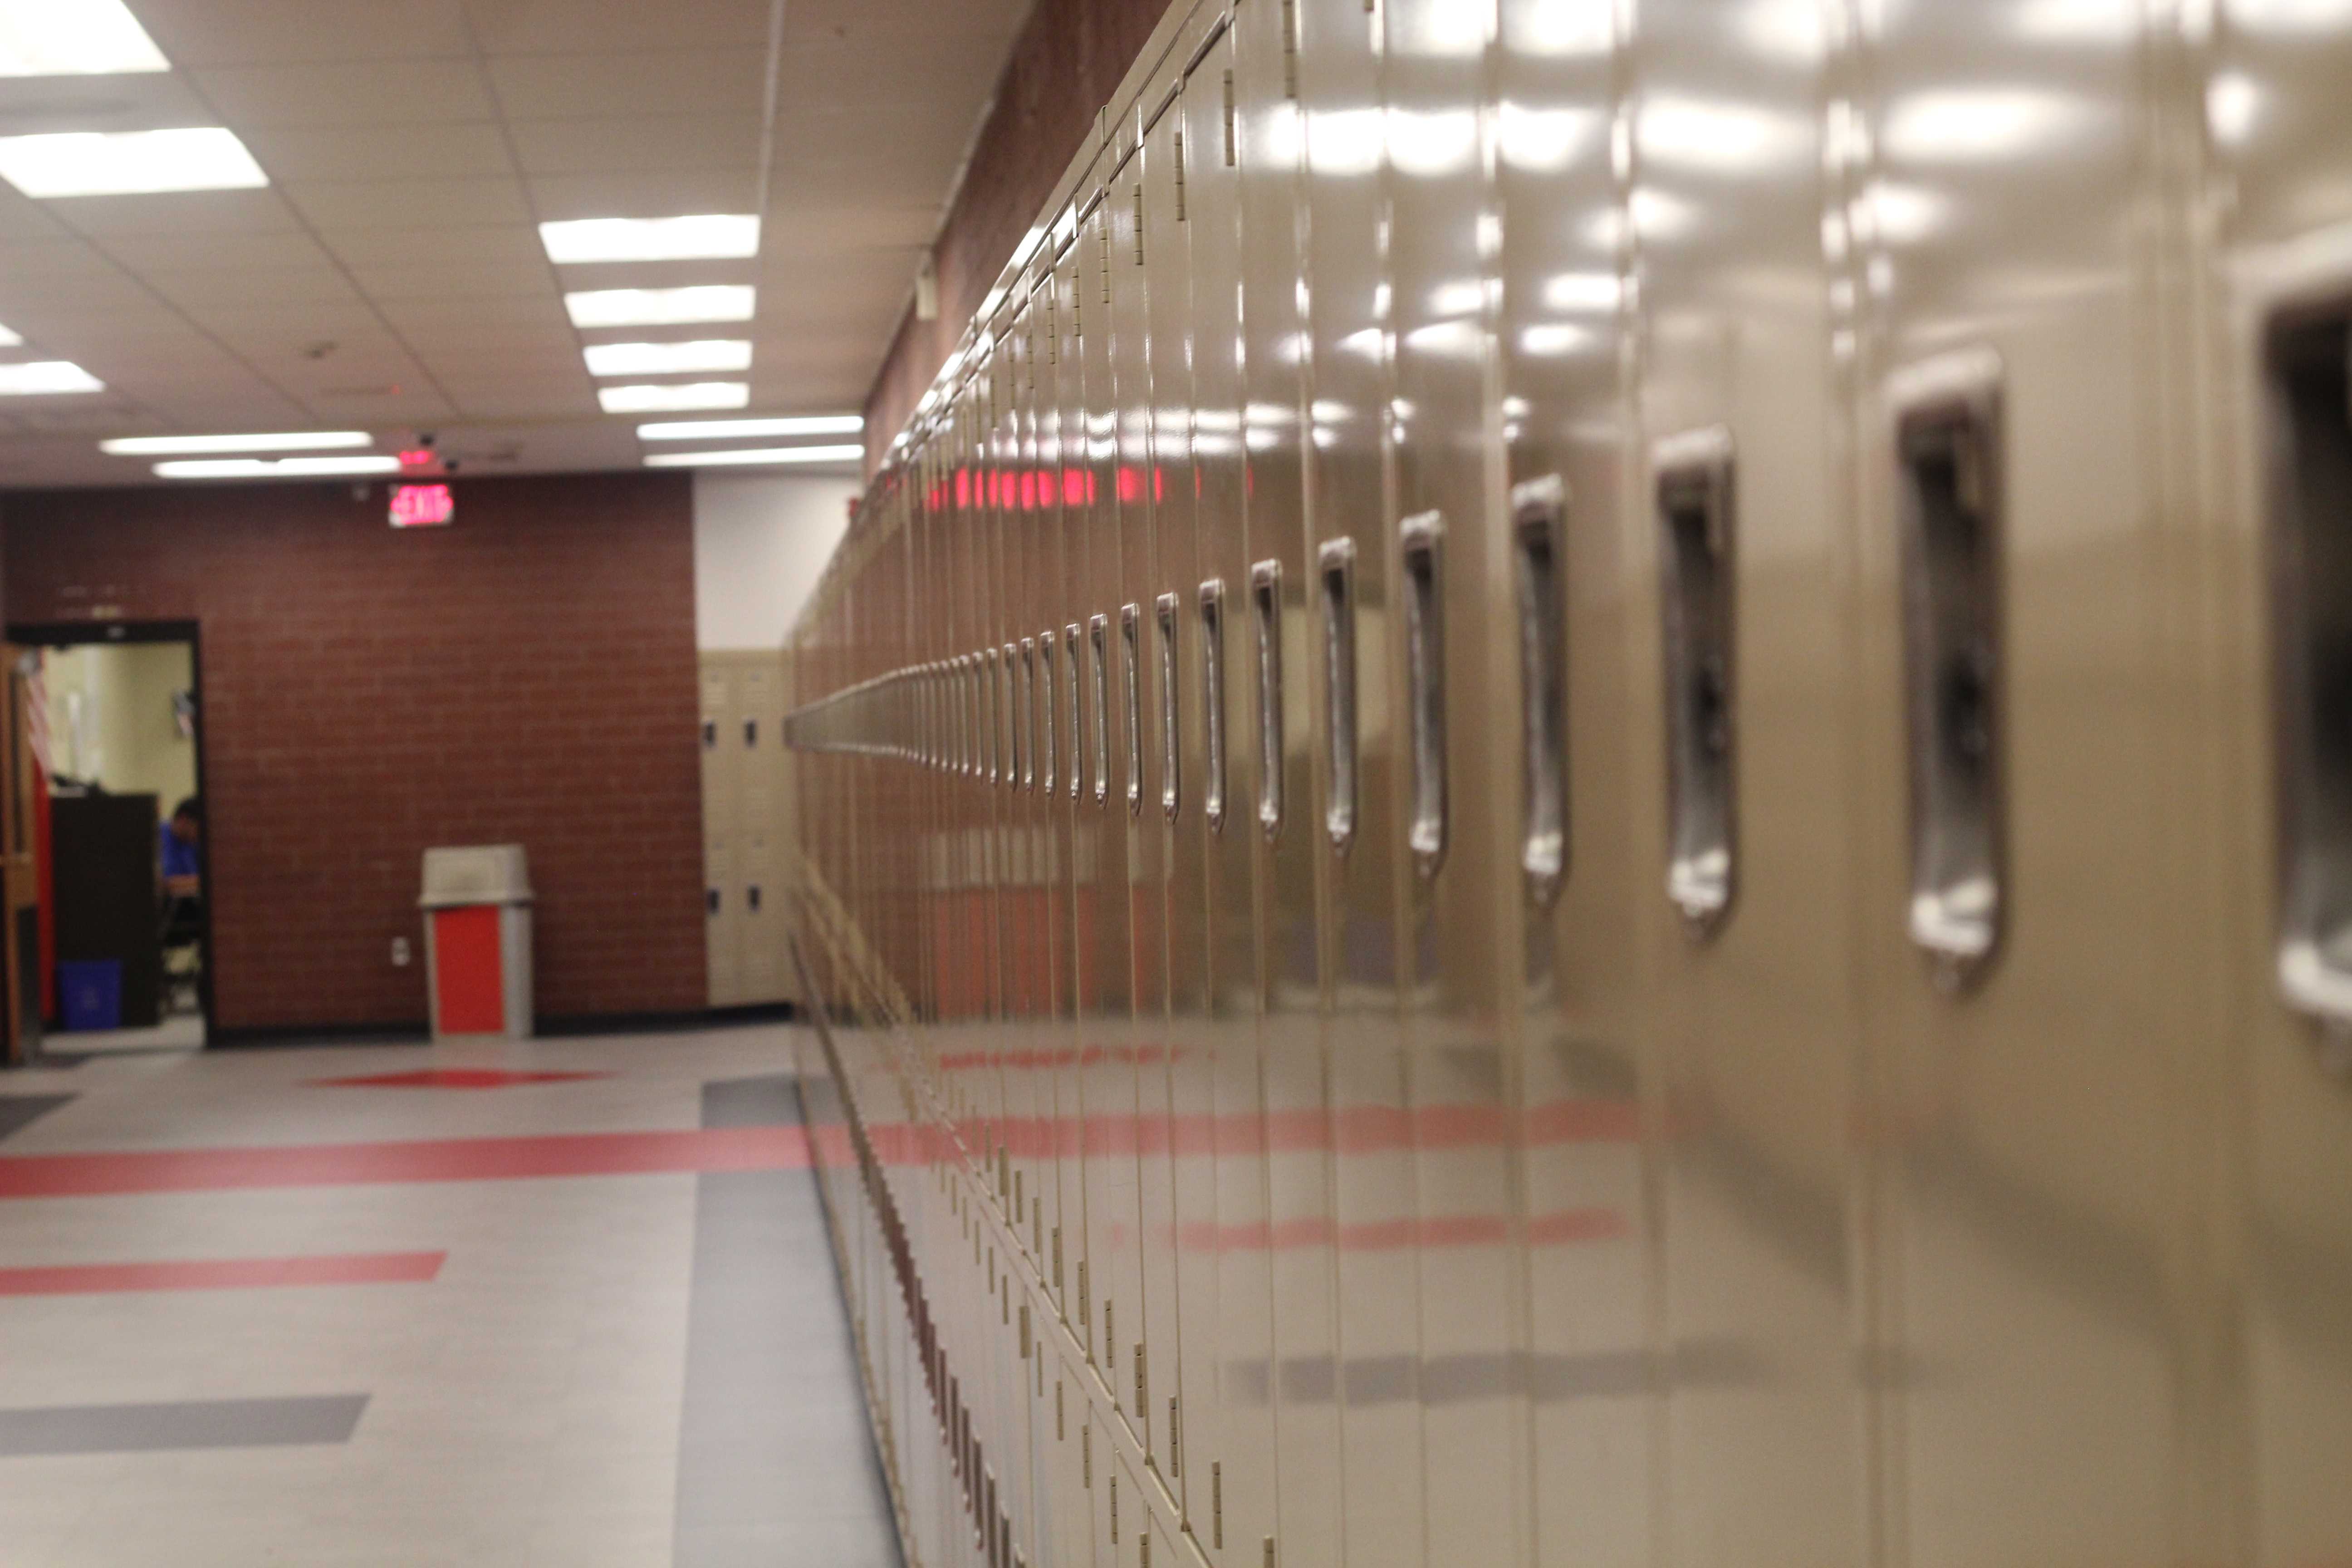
(562, 1303)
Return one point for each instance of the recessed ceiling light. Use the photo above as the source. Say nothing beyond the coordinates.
(41, 378)
(759, 456)
(737, 429)
(668, 397)
(710, 236)
(668, 359)
(275, 469)
(662, 306)
(127, 163)
(173, 446)
(74, 38)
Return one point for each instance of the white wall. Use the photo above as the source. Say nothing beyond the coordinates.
(760, 542)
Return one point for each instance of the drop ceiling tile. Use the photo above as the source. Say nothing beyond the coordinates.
(196, 32)
(255, 286)
(513, 245)
(408, 203)
(437, 342)
(668, 82)
(464, 147)
(522, 400)
(22, 218)
(26, 261)
(629, 146)
(491, 278)
(368, 407)
(810, 230)
(556, 26)
(656, 274)
(359, 92)
(145, 253)
(646, 195)
(286, 325)
(36, 307)
(444, 312)
(1000, 18)
(177, 211)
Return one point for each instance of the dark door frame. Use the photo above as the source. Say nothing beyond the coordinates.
(88, 634)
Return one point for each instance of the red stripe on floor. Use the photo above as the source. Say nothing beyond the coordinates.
(366, 1165)
(224, 1274)
(451, 1078)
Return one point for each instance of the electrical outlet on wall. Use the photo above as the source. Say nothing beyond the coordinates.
(399, 952)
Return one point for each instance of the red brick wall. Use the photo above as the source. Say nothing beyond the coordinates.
(526, 675)
(1069, 59)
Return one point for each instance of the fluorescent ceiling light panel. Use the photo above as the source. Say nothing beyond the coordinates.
(74, 38)
(661, 307)
(710, 236)
(668, 359)
(755, 457)
(180, 445)
(43, 378)
(275, 469)
(740, 429)
(127, 163)
(674, 397)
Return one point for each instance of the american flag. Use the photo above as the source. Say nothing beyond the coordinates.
(36, 709)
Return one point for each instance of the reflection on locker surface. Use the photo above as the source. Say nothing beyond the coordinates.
(1579, 798)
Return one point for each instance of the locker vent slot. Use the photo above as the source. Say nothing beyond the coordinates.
(1336, 569)
(1265, 600)
(1947, 442)
(1131, 638)
(1213, 700)
(1164, 612)
(1537, 508)
(1077, 710)
(1695, 519)
(1422, 538)
(1099, 672)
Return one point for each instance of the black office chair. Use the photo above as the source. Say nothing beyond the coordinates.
(182, 951)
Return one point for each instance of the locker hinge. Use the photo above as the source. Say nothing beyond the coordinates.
(1104, 259)
(1175, 1441)
(1086, 1456)
(1217, 1504)
(1143, 1545)
(1061, 1426)
(1025, 1330)
(1229, 120)
(1180, 173)
(1290, 49)
(1139, 223)
(1114, 1510)
(1142, 1401)
(1110, 1346)
(1269, 1552)
(1086, 1324)
(1057, 1258)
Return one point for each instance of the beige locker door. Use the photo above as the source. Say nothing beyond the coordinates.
(759, 931)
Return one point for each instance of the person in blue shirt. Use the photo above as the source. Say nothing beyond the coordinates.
(180, 836)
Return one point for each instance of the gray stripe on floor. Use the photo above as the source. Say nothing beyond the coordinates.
(198, 1424)
(776, 1464)
(18, 1111)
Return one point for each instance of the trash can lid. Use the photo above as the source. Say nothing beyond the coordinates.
(476, 874)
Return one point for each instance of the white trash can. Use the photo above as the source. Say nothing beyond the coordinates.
(476, 905)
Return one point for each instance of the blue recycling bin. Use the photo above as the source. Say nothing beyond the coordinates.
(89, 994)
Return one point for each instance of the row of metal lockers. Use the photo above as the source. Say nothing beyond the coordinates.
(747, 818)
(1581, 797)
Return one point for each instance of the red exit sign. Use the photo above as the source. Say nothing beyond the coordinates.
(422, 506)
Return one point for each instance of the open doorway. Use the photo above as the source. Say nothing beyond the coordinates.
(126, 931)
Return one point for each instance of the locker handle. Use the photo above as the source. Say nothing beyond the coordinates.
(1077, 712)
(1538, 507)
(1029, 714)
(960, 675)
(1164, 612)
(1265, 600)
(751, 732)
(1213, 700)
(1000, 758)
(1336, 569)
(1949, 448)
(1098, 672)
(1423, 540)
(1696, 499)
(710, 900)
(709, 733)
(1130, 638)
(1015, 764)
(1048, 751)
